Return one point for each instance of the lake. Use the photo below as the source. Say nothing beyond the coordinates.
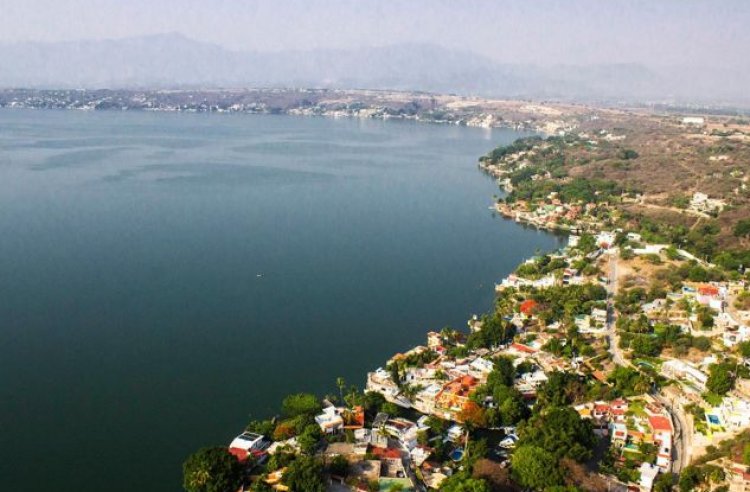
(164, 277)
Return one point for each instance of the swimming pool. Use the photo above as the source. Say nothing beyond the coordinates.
(457, 454)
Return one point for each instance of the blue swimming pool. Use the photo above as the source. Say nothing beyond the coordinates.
(457, 454)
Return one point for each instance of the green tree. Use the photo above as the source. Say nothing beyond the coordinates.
(341, 385)
(690, 478)
(305, 474)
(560, 431)
(461, 482)
(301, 404)
(339, 466)
(561, 388)
(211, 470)
(742, 228)
(309, 438)
(720, 378)
(664, 482)
(535, 468)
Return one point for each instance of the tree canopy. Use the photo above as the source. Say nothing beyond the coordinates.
(535, 468)
(211, 470)
(300, 404)
(305, 474)
(560, 431)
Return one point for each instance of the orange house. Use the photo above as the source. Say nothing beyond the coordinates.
(455, 394)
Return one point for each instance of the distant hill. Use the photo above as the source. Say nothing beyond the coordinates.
(175, 61)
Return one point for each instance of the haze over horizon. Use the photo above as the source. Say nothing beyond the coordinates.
(670, 32)
(670, 49)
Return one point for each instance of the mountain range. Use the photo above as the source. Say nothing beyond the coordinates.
(175, 61)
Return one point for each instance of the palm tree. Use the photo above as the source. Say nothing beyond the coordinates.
(341, 384)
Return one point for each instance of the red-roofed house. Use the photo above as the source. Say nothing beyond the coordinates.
(455, 393)
(708, 290)
(601, 410)
(528, 307)
(239, 453)
(522, 348)
(660, 423)
(383, 453)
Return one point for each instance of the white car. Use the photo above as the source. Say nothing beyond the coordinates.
(509, 441)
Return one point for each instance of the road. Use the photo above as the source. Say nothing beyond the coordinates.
(680, 441)
(614, 348)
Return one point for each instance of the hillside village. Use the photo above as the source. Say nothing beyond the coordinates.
(619, 362)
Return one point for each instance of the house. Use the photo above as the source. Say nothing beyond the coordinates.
(248, 443)
(481, 367)
(738, 475)
(599, 316)
(528, 382)
(455, 433)
(659, 423)
(693, 121)
(650, 249)
(571, 277)
(419, 455)
(733, 336)
(605, 239)
(677, 369)
(702, 203)
(521, 349)
(619, 433)
(583, 322)
(528, 307)
(648, 476)
(618, 409)
(424, 401)
(404, 430)
(330, 420)
(455, 394)
(434, 340)
(661, 435)
(735, 412)
(370, 437)
(380, 381)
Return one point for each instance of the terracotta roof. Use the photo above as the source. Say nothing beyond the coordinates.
(660, 423)
(523, 348)
(386, 453)
(708, 290)
(528, 306)
(239, 453)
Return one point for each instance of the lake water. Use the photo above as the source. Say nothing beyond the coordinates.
(163, 277)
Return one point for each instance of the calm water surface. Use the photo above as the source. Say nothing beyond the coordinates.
(163, 277)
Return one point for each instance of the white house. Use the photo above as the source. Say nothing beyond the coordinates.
(330, 421)
(648, 476)
(693, 121)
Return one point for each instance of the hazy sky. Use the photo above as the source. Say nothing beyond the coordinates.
(661, 32)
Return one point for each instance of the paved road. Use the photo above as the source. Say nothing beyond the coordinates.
(680, 441)
(614, 348)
